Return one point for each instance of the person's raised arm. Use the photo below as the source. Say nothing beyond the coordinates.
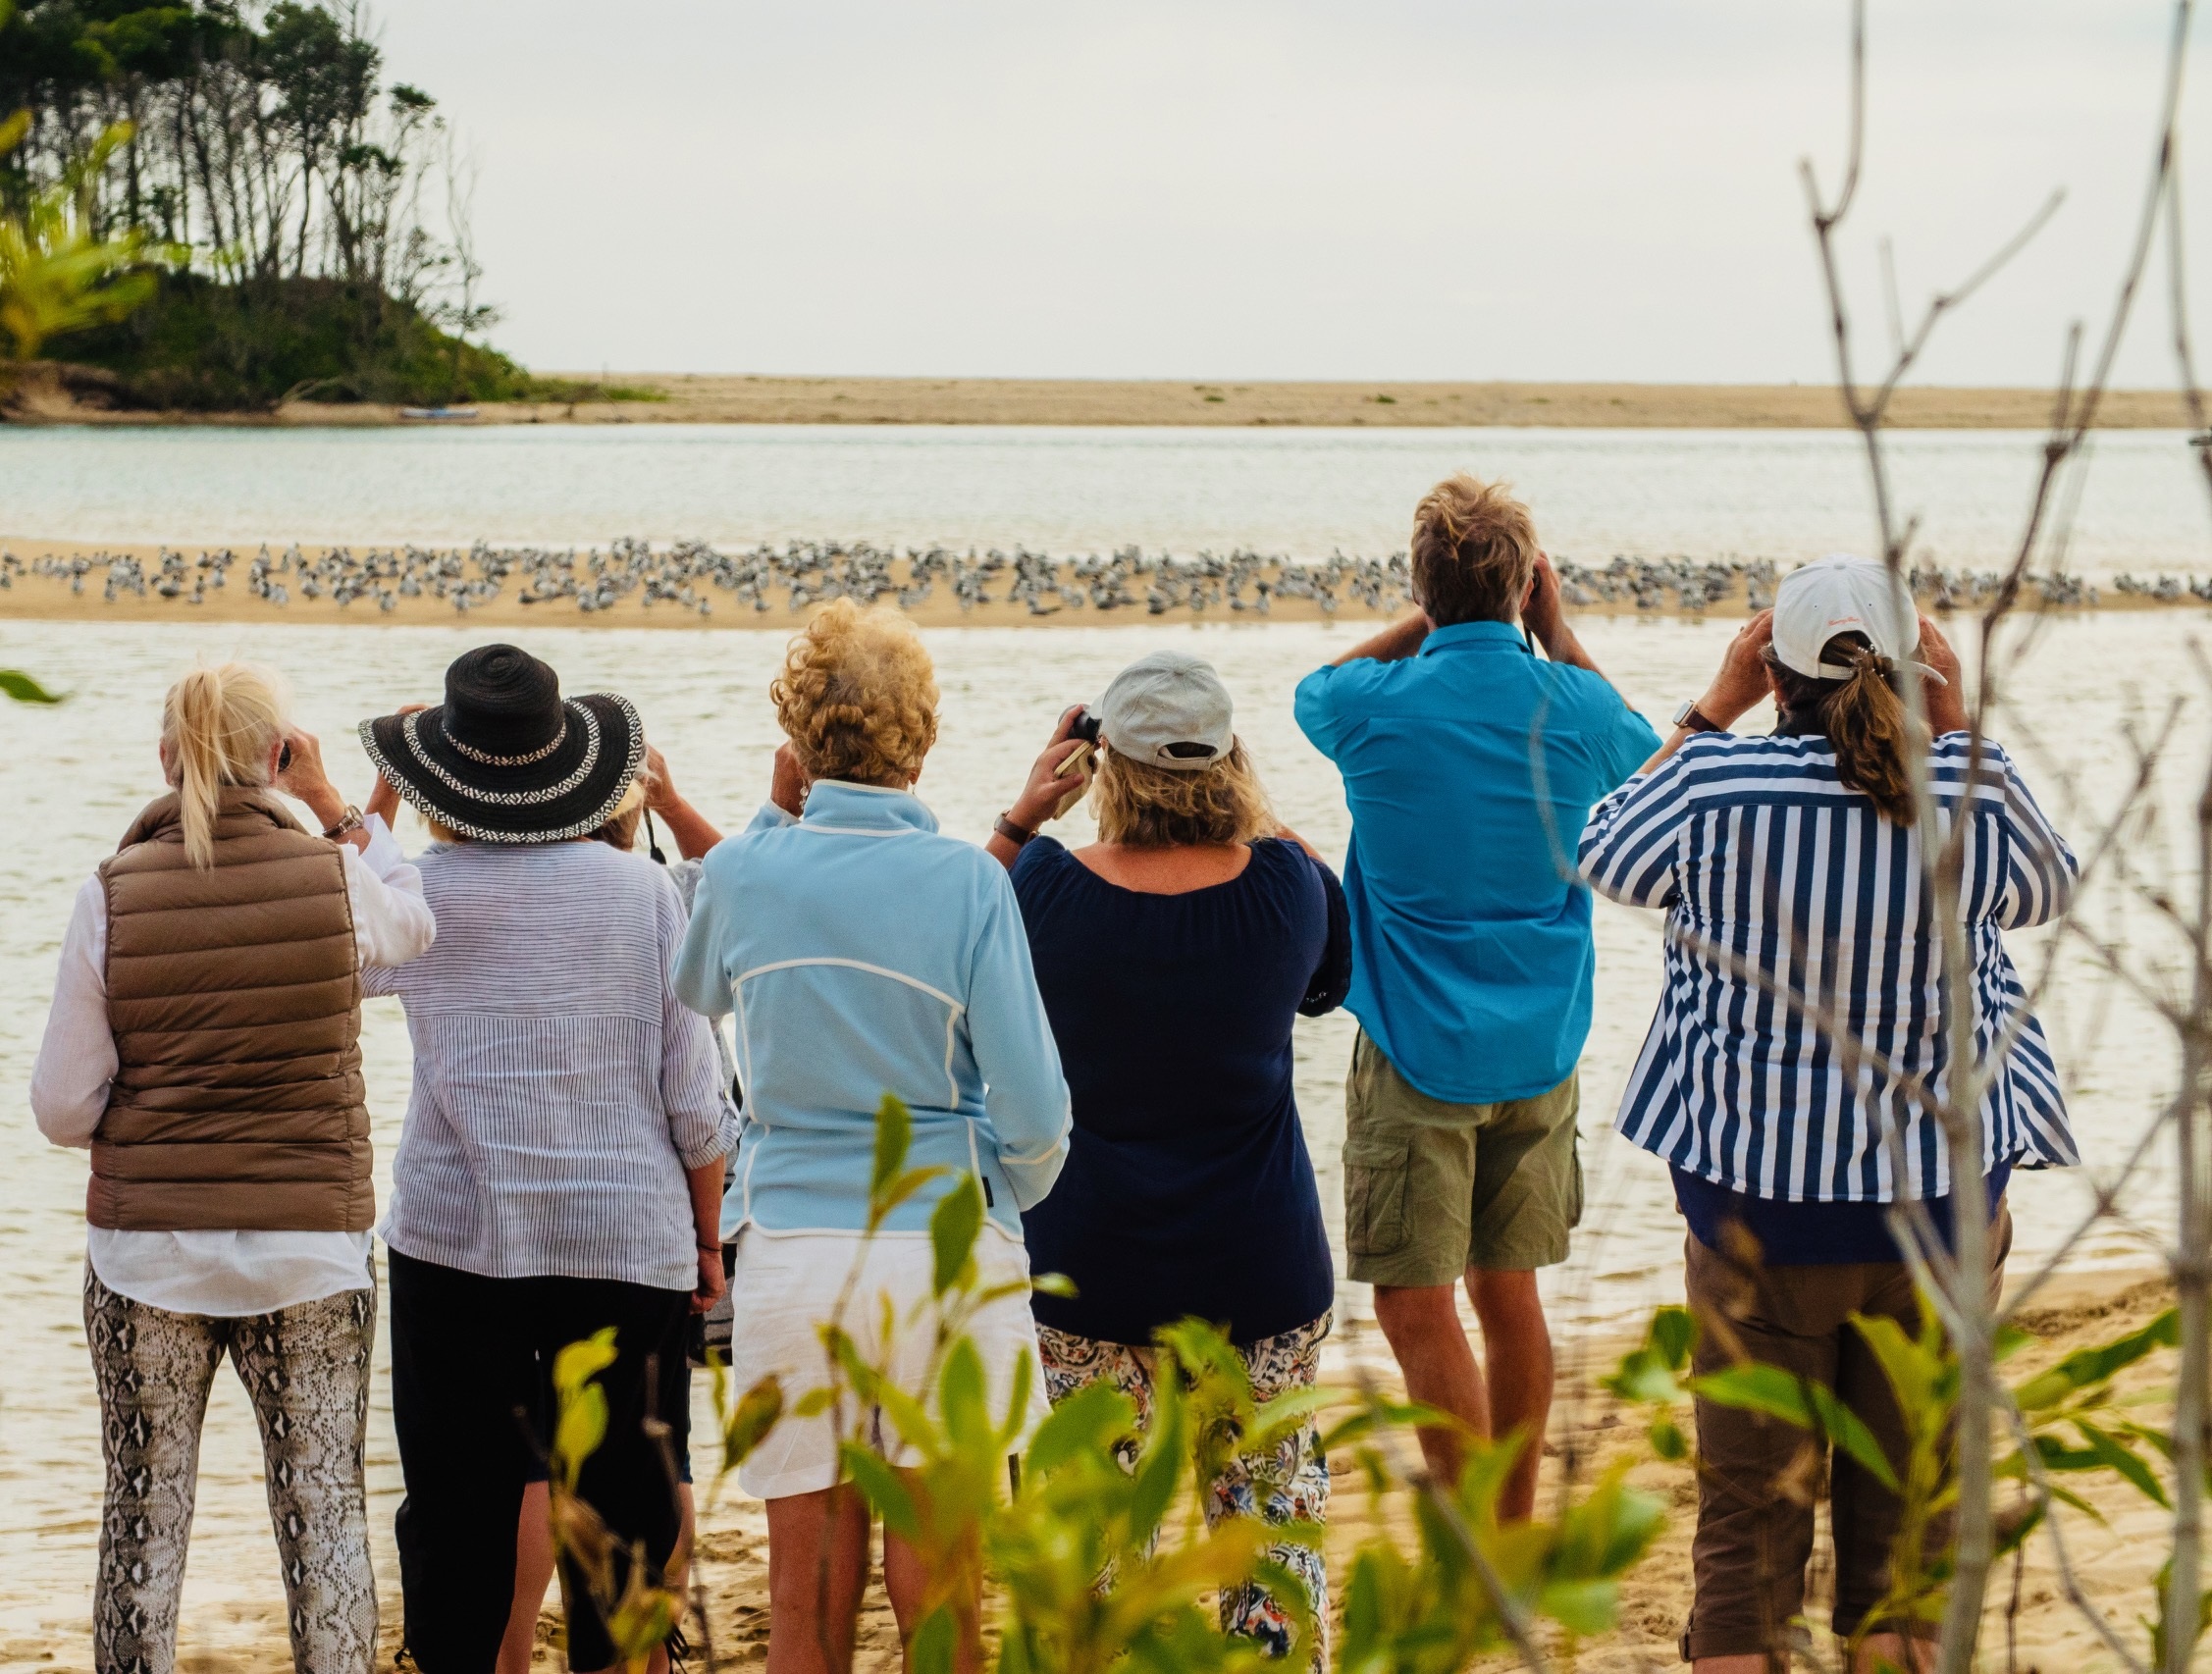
(391, 922)
(1738, 688)
(1040, 796)
(1544, 614)
(2039, 870)
(701, 1125)
(1629, 847)
(1395, 644)
(307, 780)
(384, 801)
(691, 829)
(1946, 695)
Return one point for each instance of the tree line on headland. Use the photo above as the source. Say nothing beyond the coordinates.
(303, 220)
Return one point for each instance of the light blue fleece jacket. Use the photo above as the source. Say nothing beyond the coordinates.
(861, 954)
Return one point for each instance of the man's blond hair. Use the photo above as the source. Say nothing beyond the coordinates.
(1474, 552)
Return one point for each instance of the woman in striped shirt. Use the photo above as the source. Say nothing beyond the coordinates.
(1800, 1015)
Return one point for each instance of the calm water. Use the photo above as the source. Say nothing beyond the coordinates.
(1783, 495)
(73, 777)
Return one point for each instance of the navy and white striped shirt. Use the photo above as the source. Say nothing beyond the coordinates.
(560, 1088)
(1770, 867)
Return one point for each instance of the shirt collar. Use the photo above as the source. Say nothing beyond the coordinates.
(1476, 636)
(842, 806)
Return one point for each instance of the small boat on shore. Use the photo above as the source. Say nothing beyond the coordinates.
(440, 415)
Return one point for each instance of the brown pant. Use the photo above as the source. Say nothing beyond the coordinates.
(1755, 1535)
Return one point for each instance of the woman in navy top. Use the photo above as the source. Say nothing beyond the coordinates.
(1174, 956)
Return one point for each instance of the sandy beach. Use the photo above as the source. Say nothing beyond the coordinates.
(46, 397)
(2116, 1559)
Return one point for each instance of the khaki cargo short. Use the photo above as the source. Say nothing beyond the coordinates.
(1433, 1188)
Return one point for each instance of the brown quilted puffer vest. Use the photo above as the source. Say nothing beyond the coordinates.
(234, 995)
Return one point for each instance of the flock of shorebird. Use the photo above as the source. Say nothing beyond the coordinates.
(688, 575)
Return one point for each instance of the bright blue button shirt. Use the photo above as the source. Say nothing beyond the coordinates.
(862, 953)
(1470, 770)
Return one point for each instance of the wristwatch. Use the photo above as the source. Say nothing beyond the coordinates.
(1012, 833)
(1688, 716)
(348, 821)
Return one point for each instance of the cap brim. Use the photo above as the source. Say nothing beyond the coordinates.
(570, 794)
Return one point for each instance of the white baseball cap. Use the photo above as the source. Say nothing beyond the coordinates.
(1842, 595)
(1167, 710)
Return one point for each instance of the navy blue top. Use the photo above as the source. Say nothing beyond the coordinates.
(1187, 1188)
(1809, 1234)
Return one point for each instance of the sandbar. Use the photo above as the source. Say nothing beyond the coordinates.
(1381, 403)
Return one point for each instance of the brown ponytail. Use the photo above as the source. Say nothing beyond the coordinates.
(1863, 716)
(218, 726)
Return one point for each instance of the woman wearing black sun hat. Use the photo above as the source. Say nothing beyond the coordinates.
(560, 1169)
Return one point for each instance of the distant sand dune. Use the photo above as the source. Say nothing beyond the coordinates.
(729, 399)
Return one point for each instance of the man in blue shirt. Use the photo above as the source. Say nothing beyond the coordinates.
(1470, 765)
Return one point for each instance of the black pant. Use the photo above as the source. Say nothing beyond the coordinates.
(472, 1403)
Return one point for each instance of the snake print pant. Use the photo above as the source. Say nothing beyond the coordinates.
(306, 1369)
(1293, 1486)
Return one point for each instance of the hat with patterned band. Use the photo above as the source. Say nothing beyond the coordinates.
(504, 759)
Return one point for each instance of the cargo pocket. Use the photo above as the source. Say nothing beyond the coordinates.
(1376, 1180)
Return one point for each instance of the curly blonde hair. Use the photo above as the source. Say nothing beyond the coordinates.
(858, 696)
(1145, 806)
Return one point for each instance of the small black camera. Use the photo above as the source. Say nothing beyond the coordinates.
(1084, 726)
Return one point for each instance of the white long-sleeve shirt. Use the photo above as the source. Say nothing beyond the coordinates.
(229, 1274)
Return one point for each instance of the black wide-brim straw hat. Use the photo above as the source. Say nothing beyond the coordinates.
(505, 759)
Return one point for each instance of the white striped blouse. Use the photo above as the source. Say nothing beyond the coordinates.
(560, 1088)
(1780, 881)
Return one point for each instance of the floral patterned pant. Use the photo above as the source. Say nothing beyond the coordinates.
(1293, 1485)
(306, 1369)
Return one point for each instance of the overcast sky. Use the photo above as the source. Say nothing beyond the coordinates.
(1585, 189)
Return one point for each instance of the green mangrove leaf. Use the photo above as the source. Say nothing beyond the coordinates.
(758, 1411)
(2086, 1368)
(2117, 1455)
(954, 1226)
(1090, 1421)
(894, 1137)
(882, 1488)
(16, 684)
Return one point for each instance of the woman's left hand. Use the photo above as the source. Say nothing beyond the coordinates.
(712, 1283)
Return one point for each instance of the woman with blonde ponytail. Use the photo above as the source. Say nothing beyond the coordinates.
(203, 1044)
(1791, 873)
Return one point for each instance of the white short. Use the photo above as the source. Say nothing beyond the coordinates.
(784, 1284)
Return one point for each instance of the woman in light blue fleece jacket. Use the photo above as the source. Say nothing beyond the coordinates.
(861, 953)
